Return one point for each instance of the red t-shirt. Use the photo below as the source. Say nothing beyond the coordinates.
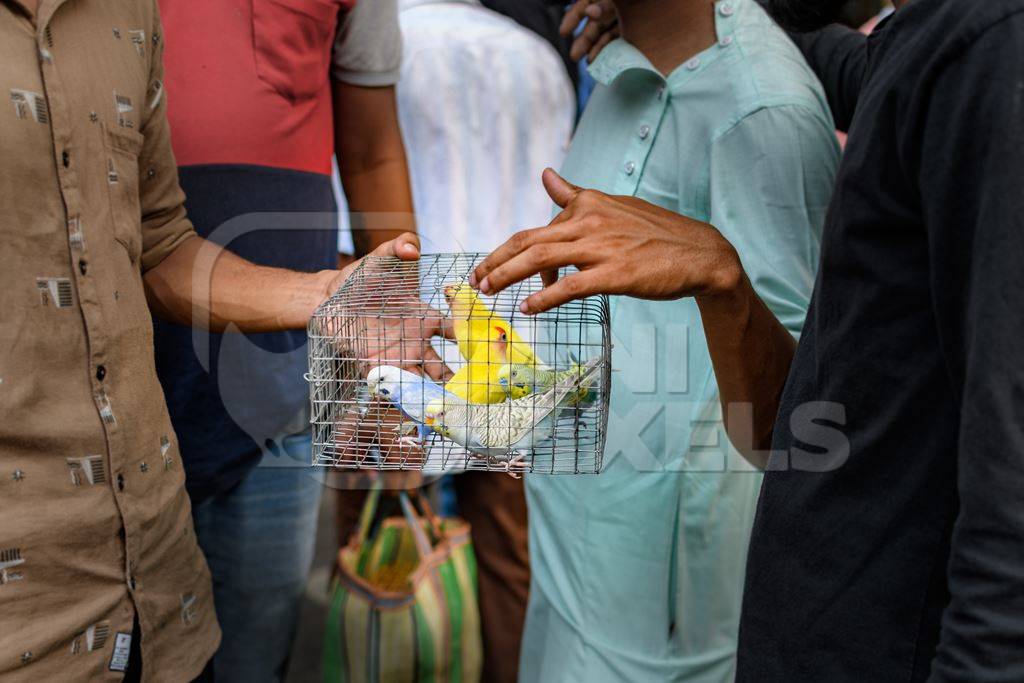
(248, 81)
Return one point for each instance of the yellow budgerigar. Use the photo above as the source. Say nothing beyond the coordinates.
(475, 325)
(477, 381)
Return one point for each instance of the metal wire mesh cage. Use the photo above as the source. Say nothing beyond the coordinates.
(510, 392)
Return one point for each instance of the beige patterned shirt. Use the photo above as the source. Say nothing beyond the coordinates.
(95, 525)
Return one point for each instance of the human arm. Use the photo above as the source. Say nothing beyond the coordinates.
(372, 164)
(969, 172)
(784, 158)
(626, 246)
(367, 139)
(200, 284)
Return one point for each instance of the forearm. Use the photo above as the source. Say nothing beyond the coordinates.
(372, 165)
(751, 352)
(200, 284)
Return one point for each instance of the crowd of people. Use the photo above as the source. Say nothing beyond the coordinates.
(813, 466)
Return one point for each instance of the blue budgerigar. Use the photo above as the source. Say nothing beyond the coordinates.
(407, 391)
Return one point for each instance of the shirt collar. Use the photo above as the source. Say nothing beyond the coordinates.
(617, 58)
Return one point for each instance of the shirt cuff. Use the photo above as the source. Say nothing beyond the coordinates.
(367, 79)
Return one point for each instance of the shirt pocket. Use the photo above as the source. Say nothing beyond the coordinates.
(123, 148)
(292, 41)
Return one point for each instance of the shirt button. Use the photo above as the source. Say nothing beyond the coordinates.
(726, 9)
(629, 168)
(693, 64)
(661, 92)
(120, 482)
(65, 158)
(644, 132)
(726, 41)
(83, 267)
(101, 372)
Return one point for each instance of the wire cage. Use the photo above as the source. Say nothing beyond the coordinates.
(412, 369)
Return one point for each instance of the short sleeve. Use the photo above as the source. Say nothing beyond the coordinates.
(772, 176)
(368, 49)
(165, 224)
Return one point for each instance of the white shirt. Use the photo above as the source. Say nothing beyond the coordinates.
(484, 105)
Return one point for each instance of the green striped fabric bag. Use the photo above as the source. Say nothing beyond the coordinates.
(404, 602)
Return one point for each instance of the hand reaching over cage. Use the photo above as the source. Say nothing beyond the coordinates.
(618, 245)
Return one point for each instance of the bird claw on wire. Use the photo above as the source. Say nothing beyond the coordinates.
(514, 462)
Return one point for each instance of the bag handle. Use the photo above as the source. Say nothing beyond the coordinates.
(423, 544)
(369, 511)
(428, 512)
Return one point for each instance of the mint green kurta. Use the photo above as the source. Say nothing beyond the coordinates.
(638, 572)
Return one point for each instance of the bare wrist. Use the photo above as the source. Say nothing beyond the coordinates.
(726, 277)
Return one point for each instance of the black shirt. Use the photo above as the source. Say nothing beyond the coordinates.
(889, 540)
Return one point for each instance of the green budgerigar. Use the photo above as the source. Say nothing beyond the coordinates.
(519, 379)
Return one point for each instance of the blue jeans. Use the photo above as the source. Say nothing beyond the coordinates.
(258, 540)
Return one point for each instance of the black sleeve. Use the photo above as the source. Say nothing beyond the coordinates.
(838, 55)
(970, 176)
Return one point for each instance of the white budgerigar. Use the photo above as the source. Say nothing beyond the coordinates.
(407, 391)
(499, 430)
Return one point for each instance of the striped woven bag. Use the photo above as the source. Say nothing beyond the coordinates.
(404, 602)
